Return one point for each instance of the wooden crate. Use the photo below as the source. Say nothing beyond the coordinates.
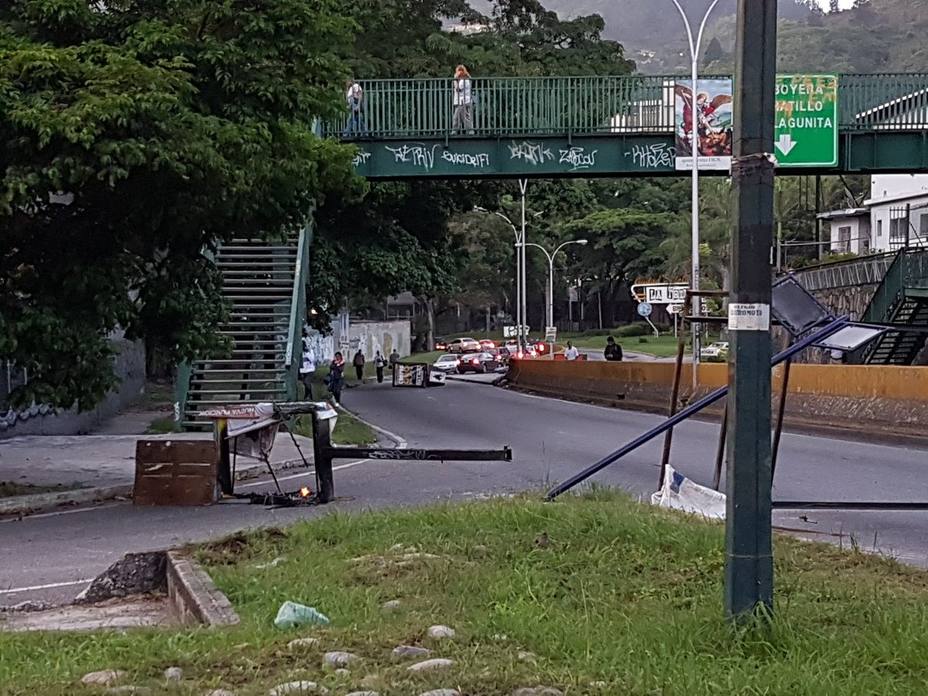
(175, 472)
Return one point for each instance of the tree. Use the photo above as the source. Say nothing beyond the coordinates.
(137, 136)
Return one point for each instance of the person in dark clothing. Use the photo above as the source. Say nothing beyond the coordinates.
(394, 358)
(380, 362)
(336, 379)
(613, 350)
(358, 362)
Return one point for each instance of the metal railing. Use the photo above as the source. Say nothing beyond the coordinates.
(639, 104)
(866, 270)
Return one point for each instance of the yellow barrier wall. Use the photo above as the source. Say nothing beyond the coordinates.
(890, 399)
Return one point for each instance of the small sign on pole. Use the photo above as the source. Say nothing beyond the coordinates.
(550, 334)
(644, 309)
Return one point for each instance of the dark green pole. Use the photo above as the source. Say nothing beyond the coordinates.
(749, 558)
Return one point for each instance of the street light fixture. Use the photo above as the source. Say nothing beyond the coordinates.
(694, 151)
(521, 308)
(551, 257)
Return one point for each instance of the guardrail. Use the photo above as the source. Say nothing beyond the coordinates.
(643, 104)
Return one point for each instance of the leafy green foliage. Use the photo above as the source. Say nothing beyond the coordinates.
(135, 138)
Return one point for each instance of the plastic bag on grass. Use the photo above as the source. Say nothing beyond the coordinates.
(681, 493)
(291, 615)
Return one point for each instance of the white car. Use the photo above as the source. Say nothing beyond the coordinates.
(446, 363)
(464, 345)
(717, 351)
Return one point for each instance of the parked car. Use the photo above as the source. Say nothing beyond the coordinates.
(715, 352)
(478, 362)
(441, 344)
(446, 363)
(464, 345)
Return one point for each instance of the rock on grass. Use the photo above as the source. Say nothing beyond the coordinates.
(440, 632)
(104, 677)
(297, 688)
(431, 665)
(338, 659)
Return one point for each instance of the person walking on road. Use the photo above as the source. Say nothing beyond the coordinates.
(463, 100)
(613, 350)
(358, 362)
(380, 363)
(571, 353)
(336, 379)
(394, 358)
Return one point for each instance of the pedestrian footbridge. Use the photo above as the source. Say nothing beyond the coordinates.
(601, 126)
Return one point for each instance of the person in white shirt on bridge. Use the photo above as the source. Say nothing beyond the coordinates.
(571, 353)
(463, 100)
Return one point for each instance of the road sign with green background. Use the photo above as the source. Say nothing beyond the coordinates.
(806, 132)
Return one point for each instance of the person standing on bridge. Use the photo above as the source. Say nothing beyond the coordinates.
(463, 100)
(358, 362)
(571, 353)
(355, 100)
(613, 350)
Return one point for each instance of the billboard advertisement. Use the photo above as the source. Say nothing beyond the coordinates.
(712, 113)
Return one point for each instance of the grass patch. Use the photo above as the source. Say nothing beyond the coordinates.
(661, 347)
(348, 430)
(429, 357)
(163, 425)
(599, 588)
(10, 489)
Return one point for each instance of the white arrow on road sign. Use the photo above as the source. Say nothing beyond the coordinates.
(786, 143)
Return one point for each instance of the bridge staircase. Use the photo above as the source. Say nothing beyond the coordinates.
(264, 284)
(902, 300)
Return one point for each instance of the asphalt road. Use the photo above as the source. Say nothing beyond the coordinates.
(51, 556)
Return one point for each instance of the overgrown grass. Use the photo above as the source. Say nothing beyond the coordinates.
(600, 589)
(428, 357)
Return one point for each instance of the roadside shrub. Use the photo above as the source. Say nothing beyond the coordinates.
(637, 329)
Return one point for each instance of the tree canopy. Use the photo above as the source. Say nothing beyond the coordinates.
(137, 133)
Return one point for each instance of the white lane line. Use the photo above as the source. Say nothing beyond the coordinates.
(308, 472)
(60, 512)
(49, 586)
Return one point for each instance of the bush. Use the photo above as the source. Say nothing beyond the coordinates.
(637, 329)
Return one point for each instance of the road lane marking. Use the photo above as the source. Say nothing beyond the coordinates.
(49, 586)
(309, 472)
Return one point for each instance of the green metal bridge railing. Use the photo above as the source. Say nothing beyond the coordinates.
(635, 104)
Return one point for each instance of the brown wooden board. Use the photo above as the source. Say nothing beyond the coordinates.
(175, 472)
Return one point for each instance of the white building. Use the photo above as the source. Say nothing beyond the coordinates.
(895, 216)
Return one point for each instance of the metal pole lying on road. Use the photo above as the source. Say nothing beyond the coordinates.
(749, 555)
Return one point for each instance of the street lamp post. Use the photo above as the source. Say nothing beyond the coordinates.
(519, 275)
(551, 257)
(694, 151)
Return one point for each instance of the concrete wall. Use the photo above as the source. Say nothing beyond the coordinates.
(129, 365)
(384, 336)
(877, 399)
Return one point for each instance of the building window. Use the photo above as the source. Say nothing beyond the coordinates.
(879, 228)
(844, 239)
(923, 228)
(897, 231)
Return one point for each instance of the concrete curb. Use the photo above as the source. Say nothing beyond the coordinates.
(195, 597)
(45, 502)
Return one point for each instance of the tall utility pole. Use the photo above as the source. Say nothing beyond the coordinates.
(748, 545)
(695, 43)
(523, 188)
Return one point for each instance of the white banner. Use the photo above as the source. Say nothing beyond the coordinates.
(680, 493)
